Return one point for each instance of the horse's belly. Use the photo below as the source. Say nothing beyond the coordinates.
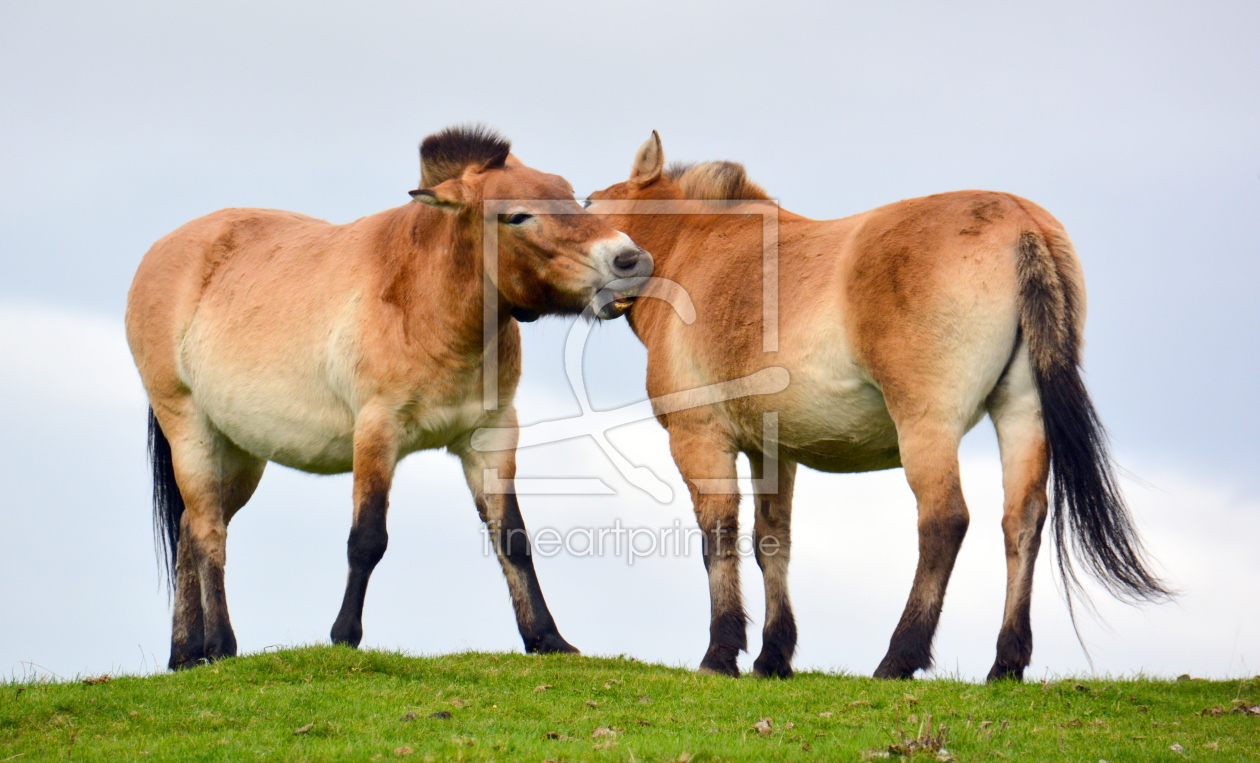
(837, 423)
(289, 424)
(300, 413)
(278, 402)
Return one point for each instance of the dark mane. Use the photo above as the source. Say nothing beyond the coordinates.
(714, 181)
(446, 154)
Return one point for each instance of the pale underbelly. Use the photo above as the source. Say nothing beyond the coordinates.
(296, 430)
(842, 425)
(853, 444)
(320, 439)
(308, 425)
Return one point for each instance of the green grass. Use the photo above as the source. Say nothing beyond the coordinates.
(374, 705)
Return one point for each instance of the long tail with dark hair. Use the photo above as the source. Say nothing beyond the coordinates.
(1091, 524)
(168, 503)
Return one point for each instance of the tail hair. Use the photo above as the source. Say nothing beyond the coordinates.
(168, 503)
(1090, 521)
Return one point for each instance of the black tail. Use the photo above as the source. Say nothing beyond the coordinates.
(1086, 504)
(168, 504)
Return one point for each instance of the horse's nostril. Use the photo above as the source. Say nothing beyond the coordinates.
(626, 259)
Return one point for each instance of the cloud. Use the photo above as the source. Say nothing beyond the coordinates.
(54, 353)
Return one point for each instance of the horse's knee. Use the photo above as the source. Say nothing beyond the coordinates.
(947, 527)
(367, 544)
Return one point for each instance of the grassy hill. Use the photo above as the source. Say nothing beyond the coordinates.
(333, 703)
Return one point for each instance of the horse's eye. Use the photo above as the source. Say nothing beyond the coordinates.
(520, 218)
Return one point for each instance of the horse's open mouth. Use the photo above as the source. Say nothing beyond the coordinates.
(616, 297)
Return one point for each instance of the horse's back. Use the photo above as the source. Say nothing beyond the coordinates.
(179, 267)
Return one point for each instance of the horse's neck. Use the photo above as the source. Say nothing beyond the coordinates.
(660, 236)
(439, 271)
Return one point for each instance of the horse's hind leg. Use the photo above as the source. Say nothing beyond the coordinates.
(188, 633)
(772, 544)
(1016, 413)
(929, 453)
(215, 478)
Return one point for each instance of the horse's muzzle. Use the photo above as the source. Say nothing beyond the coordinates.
(631, 266)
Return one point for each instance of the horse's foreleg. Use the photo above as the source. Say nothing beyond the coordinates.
(1016, 415)
(490, 475)
(709, 470)
(375, 455)
(772, 544)
(930, 457)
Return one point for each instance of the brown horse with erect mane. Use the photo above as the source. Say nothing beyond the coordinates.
(900, 328)
(263, 335)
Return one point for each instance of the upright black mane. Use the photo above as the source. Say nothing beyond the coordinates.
(446, 154)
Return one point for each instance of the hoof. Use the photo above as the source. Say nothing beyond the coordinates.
(221, 647)
(349, 634)
(185, 661)
(767, 666)
(551, 643)
(1001, 672)
(720, 661)
(892, 669)
(705, 670)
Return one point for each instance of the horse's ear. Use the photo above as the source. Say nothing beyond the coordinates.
(649, 161)
(450, 195)
(511, 159)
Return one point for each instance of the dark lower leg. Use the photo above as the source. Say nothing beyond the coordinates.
(220, 640)
(707, 462)
(772, 544)
(206, 533)
(375, 455)
(188, 646)
(940, 536)
(502, 515)
(778, 644)
(1022, 529)
(1014, 648)
(364, 549)
(727, 620)
(215, 479)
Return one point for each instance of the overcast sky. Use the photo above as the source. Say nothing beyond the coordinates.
(1136, 124)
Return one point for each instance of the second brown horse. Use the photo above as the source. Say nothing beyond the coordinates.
(900, 329)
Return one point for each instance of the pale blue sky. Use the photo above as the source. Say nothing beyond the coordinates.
(1137, 124)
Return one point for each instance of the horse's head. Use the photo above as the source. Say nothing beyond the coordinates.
(657, 203)
(648, 181)
(552, 255)
(693, 189)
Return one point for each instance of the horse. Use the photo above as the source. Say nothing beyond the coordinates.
(900, 328)
(264, 335)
